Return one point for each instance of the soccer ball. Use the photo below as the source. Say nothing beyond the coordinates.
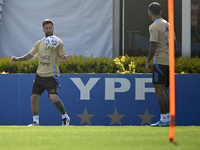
(52, 43)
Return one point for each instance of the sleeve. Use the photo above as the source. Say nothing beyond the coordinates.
(34, 50)
(153, 31)
(61, 50)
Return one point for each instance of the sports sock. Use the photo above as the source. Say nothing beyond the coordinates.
(65, 116)
(163, 118)
(168, 117)
(36, 119)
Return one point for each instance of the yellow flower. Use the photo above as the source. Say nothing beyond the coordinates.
(122, 69)
(4, 72)
(123, 59)
(116, 60)
(118, 71)
(127, 71)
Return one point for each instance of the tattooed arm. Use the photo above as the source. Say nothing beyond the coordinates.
(152, 51)
(23, 58)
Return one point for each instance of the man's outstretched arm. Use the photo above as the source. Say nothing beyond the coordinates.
(23, 58)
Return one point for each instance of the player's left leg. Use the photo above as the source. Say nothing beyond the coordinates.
(58, 103)
(52, 87)
(60, 106)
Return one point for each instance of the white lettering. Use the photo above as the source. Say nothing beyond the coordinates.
(140, 89)
(85, 89)
(110, 89)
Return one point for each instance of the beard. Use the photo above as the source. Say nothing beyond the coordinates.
(48, 34)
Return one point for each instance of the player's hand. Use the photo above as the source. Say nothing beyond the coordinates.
(64, 58)
(147, 67)
(14, 59)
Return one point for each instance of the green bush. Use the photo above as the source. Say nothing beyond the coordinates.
(187, 65)
(80, 64)
(18, 67)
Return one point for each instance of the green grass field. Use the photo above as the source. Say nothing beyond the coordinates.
(98, 138)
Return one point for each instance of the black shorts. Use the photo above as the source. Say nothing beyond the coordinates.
(161, 74)
(40, 84)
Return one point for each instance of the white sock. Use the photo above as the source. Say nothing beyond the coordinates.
(65, 116)
(163, 118)
(168, 117)
(36, 119)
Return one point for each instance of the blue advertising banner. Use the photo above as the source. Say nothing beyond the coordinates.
(98, 99)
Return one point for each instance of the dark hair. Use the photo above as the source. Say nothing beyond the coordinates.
(155, 8)
(47, 21)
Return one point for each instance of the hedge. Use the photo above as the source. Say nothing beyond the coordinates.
(80, 64)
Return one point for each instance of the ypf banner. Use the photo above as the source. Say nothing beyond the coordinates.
(98, 99)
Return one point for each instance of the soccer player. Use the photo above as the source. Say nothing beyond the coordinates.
(159, 49)
(47, 76)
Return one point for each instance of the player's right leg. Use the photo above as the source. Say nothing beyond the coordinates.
(35, 109)
(37, 91)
